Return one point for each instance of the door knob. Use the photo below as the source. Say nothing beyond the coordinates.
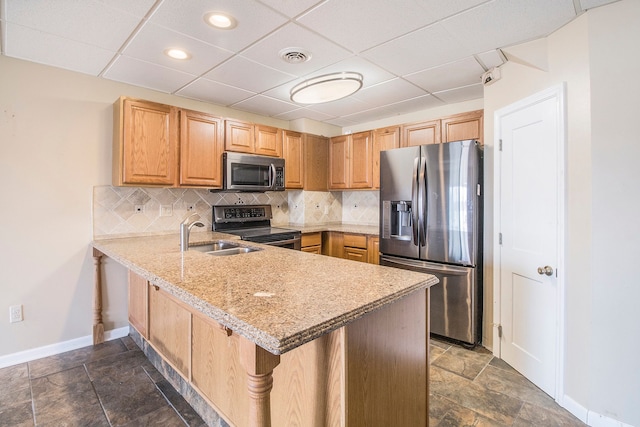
(545, 270)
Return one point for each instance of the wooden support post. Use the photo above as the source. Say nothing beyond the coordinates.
(98, 327)
(259, 364)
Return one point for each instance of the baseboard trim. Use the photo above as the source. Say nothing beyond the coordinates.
(57, 348)
(590, 418)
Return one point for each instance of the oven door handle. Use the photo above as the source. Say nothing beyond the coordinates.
(282, 242)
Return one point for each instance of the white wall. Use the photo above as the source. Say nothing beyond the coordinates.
(595, 56)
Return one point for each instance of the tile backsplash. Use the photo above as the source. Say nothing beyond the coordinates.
(123, 211)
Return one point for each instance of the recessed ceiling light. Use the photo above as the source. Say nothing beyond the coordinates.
(220, 20)
(176, 53)
(329, 87)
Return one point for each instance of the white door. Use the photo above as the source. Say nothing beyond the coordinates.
(529, 170)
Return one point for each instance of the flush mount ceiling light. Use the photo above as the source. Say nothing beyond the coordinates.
(220, 20)
(176, 53)
(329, 87)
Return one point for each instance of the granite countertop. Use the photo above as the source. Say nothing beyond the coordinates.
(372, 230)
(277, 298)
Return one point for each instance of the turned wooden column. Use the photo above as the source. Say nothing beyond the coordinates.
(98, 327)
(259, 364)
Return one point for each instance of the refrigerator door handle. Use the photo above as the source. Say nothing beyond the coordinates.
(422, 202)
(415, 188)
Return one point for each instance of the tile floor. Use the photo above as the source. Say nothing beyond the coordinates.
(113, 384)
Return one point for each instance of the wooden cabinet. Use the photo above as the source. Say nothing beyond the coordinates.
(316, 162)
(355, 247)
(421, 133)
(149, 138)
(201, 147)
(139, 303)
(246, 137)
(383, 139)
(170, 329)
(352, 246)
(457, 127)
(350, 161)
(293, 153)
(463, 126)
(373, 249)
(312, 243)
(145, 143)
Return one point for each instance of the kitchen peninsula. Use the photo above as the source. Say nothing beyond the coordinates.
(281, 337)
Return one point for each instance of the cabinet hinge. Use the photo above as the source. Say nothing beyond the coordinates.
(499, 238)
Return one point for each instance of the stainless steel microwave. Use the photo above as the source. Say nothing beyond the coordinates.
(250, 172)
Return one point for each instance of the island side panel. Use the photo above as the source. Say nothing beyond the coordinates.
(387, 363)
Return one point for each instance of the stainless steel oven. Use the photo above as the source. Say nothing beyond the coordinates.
(253, 224)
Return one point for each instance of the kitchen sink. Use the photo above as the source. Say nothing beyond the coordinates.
(222, 248)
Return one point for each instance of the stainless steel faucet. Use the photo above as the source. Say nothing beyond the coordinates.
(185, 228)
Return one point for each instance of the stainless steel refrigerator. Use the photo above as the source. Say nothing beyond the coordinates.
(431, 221)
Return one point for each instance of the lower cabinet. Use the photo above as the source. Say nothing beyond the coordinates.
(355, 247)
(312, 243)
(139, 303)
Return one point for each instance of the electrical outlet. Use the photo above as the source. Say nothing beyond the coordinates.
(15, 314)
(138, 208)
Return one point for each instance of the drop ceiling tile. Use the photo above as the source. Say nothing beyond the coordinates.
(90, 22)
(371, 73)
(255, 20)
(388, 92)
(32, 45)
(491, 58)
(369, 115)
(416, 104)
(214, 92)
(137, 8)
(323, 52)
(241, 72)
(152, 40)
(291, 8)
(590, 4)
(425, 48)
(341, 122)
(341, 107)
(283, 92)
(466, 93)
(146, 74)
(264, 105)
(452, 75)
(359, 27)
(303, 113)
(506, 22)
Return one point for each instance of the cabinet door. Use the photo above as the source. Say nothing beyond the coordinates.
(373, 249)
(361, 160)
(138, 303)
(316, 162)
(268, 141)
(339, 162)
(201, 147)
(383, 139)
(239, 136)
(170, 329)
(293, 154)
(145, 143)
(355, 254)
(463, 126)
(421, 133)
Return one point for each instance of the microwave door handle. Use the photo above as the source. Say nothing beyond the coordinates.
(272, 176)
(414, 202)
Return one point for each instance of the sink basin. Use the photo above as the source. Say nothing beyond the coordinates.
(222, 248)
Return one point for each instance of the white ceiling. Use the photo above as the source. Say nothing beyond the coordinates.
(413, 54)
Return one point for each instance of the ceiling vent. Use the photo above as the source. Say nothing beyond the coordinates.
(295, 55)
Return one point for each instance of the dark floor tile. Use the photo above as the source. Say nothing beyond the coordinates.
(489, 404)
(460, 417)
(19, 415)
(439, 343)
(60, 362)
(463, 362)
(165, 417)
(532, 415)
(15, 388)
(435, 352)
(180, 404)
(513, 384)
(499, 363)
(129, 343)
(74, 381)
(117, 366)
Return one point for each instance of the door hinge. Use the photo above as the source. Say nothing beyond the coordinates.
(499, 331)
(500, 145)
(499, 238)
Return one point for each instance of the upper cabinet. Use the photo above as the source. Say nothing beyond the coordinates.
(145, 143)
(463, 126)
(350, 161)
(452, 128)
(383, 139)
(246, 137)
(201, 147)
(316, 162)
(293, 154)
(149, 138)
